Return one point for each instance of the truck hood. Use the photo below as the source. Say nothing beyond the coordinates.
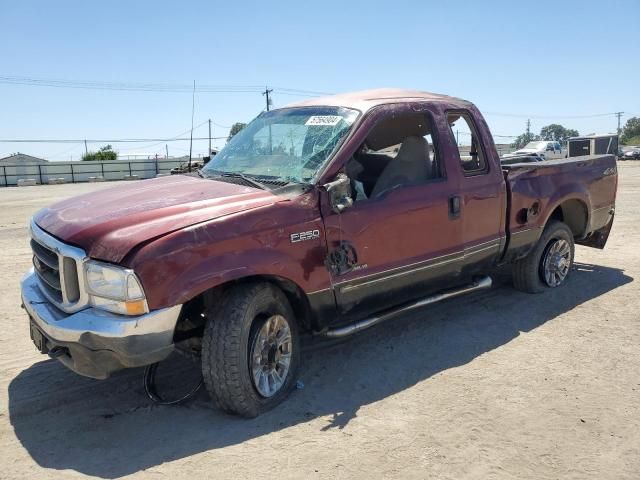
(108, 223)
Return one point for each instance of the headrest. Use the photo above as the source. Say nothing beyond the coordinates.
(394, 129)
(413, 148)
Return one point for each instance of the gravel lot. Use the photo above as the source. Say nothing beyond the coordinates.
(496, 385)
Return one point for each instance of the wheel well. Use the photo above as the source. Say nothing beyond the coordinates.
(574, 214)
(192, 319)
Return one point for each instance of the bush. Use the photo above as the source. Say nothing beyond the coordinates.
(632, 141)
(105, 153)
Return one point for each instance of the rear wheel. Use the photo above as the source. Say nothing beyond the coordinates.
(550, 261)
(250, 350)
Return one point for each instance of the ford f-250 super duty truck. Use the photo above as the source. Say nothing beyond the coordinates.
(326, 216)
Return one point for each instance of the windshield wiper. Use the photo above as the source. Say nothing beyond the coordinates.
(244, 177)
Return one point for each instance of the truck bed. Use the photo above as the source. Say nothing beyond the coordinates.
(580, 191)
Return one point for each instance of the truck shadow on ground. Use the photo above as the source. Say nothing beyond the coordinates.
(108, 428)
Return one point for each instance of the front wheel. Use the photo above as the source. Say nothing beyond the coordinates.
(550, 261)
(250, 350)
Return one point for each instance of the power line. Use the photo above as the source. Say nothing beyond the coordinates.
(218, 125)
(493, 135)
(519, 115)
(204, 88)
(175, 137)
(125, 86)
(146, 87)
(111, 140)
(297, 90)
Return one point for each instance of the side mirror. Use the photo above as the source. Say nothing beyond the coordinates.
(339, 192)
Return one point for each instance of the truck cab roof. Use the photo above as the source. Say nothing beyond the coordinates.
(365, 100)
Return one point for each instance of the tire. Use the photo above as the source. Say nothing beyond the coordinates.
(529, 272)
(230, 335)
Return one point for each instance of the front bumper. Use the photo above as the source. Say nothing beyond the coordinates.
(97, 343)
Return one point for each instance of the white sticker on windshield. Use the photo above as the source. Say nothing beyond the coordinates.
(328, 120)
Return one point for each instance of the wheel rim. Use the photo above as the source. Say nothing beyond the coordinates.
(271, 356)
(556, 263)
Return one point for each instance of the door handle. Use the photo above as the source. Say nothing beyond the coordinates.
(454, 207)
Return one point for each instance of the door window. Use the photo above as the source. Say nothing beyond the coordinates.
(472, 157)
(399, 151)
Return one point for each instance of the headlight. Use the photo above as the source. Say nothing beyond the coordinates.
(114, 288)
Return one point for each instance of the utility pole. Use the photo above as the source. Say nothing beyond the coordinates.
(528, 129)
(209, 155)
(618, 114)
(166, 149)
(266, 93)
(86, 150)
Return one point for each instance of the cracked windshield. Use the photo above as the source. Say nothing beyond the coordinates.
(287, 145)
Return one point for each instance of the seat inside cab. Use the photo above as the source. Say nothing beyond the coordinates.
(398, 151)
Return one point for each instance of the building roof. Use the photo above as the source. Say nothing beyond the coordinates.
(21, 159)
(366, 99)
(602, 135)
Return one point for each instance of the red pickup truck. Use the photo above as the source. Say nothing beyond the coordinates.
(326, 217)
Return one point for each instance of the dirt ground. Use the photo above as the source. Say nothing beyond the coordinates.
(500, 384)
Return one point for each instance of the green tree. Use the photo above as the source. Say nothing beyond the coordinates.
(105, 153)
(235, 128)
(521, 140)
(557, 133)
(630, 130)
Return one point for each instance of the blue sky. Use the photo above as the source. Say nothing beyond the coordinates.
(544, 59)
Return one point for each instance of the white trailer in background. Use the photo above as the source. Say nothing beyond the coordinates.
(593, 145)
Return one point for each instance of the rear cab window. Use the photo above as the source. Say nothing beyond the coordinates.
(470, 149)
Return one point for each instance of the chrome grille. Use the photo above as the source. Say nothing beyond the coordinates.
(59, 268)
(46, 266)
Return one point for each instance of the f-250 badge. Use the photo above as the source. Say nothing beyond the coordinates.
(304, 236)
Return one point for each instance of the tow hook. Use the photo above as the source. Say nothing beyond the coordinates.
(56, 352)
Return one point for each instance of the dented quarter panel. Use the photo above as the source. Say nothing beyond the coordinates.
(536, 190)
(107, 224)
(184, 263)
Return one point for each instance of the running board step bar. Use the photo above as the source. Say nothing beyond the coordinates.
(481, 283)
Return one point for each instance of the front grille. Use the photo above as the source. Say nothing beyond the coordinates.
(59, 270)
(47, 267)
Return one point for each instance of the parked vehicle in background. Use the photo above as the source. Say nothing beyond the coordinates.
(593, 145)
(196, 164)
(185, 168)
(620, 153)
(326, 217)
(522, 158)
(547, 150)
(632, 154)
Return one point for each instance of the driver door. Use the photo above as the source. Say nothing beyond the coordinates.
(402, 242)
